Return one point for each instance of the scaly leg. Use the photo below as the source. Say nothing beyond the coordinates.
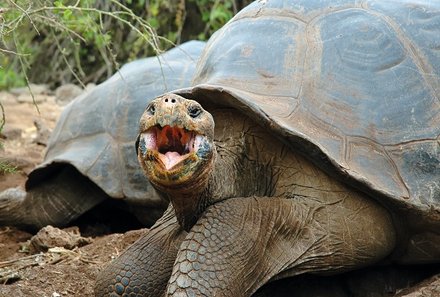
(241, 243)
(145, 267)
(56, 200)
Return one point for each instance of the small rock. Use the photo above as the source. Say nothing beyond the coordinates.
(36, 90)
(427, 288)
(66, 93)
(43, 132)
(27, 98)
(90, 86)
(11, 133)
(18, 162)
(51, 100)
(55, 294)
(50, 237)
(7, 97)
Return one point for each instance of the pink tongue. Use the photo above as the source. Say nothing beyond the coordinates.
(169, 159)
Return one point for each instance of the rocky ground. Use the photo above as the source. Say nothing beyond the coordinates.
(54, 262)
(57, 262)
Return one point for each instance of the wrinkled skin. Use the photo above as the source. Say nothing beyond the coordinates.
(245, 208)
(63, 197)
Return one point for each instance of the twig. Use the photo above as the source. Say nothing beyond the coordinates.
(61, 26)
(6, 263)
(67, 62)
(23, 68)
(87, 261)
(58, 260)
(3, 121)
(25, 12)
(7, 229)
(12, 52)
(150, 31)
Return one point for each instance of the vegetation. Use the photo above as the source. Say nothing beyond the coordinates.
(5, 167)
(82, 41)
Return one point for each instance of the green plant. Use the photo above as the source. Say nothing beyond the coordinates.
(64, 41)
(5, 167)
(214, 14)
(81, 41)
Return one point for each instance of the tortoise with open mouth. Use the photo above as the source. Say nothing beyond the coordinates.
(308, 144)
(90, 157)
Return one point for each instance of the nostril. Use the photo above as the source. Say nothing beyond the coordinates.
(172, 100)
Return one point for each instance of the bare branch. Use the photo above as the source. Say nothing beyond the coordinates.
(67, 62)
(23, 69)
(25, 13)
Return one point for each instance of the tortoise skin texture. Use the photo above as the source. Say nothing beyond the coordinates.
(327, 141)
(263, 202)
(353, 85)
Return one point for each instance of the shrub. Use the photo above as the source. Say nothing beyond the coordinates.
(82, 41)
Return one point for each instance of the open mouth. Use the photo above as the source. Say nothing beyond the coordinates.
(173, 144)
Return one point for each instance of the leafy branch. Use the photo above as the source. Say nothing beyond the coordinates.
(5, 167)
(81, 25)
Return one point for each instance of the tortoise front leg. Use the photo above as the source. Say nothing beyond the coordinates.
(56, 200)
(145, 267)
(240, 244)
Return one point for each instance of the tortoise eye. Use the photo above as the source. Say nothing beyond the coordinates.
(194, 111)
(151, 109)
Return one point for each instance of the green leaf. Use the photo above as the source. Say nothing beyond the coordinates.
(154, 22)
(7, 168)
(67, 13)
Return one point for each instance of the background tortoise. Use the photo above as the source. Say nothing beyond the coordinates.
(90, 155)
(351, 85)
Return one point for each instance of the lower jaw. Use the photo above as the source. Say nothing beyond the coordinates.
(182, 179)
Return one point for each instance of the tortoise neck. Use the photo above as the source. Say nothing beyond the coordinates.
(189, 207)
(190, 199)
(219, 183)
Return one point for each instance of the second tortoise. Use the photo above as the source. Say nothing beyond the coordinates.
(90, 155)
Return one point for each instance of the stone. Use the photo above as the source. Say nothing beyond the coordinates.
(50, 237)
(66, 93)
(43, 132)
(36, 90)
(27, 98)
(11, 133)
(427, 288)
(90, 86)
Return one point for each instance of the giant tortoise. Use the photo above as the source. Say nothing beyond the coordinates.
(90, 155)
(309, 143)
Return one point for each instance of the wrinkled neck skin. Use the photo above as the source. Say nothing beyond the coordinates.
(220, 185)
(191, 199)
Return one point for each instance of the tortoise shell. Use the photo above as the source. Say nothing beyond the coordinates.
(96, 132)
(354, 85)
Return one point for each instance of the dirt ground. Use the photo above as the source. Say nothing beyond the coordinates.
(71, 271)
(59, 271)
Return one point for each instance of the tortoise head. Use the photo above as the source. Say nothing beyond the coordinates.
(175, 146)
